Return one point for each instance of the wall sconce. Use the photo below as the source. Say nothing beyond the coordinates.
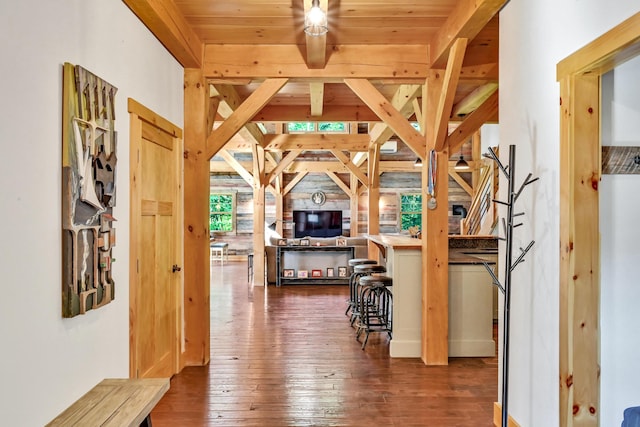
(418, 163)
(315, 21)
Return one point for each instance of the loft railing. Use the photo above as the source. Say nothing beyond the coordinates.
(482, 215)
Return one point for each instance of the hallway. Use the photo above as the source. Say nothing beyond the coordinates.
(288, 357)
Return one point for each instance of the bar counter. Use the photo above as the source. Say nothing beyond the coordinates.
(470, 293)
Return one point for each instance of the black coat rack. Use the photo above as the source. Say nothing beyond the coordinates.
(508, 224)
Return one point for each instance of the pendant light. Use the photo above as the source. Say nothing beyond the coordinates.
(315, 21)
(461, 164)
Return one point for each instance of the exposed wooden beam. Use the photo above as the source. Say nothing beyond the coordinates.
(385, 110)
(324, 166)
(317, 141)
(214, 103)
(330, 113)
(403, 100)
(488, 73)
(448, 84)
(258, 99)
(316, 45)
(276, 61)
(461, 182)
(472, 101)
(344, 187)
(473, 122)
(237, 167)
(466, 21)
(284, 163)
(164, 20)
(229, 102)
(353, 168)
(316, 92)
(294, 181)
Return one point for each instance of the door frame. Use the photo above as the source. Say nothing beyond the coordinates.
(139, 113)
(580, 170)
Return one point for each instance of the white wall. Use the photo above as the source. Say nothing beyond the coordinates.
(46, 362)
(620, 234)
(534, 37)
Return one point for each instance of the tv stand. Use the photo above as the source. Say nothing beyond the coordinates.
(309, 258)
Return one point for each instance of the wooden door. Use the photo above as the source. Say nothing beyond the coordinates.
(156, 242)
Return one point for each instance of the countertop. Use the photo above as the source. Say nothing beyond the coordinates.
(461, 248)
(395, 241)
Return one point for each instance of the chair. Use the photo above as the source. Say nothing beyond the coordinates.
(352, 263)
(358, 272)
(376, 307)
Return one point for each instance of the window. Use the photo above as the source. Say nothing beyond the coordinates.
(321, 127)
(222, 210)
(410, 210)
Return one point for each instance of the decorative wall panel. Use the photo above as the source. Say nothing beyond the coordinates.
(88, 191)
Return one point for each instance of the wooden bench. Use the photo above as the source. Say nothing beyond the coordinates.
(116, 403)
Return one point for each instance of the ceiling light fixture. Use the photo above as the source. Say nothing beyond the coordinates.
(315, 21)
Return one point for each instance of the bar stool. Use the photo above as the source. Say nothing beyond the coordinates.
(376, 306)
(352, 263)
(360, 271)
(249, 266)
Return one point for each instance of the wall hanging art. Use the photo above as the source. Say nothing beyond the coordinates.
(88, 190)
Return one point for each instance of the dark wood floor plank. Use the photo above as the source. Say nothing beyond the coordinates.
(288, 357)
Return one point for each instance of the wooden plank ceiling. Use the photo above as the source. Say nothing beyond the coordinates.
(240, 43)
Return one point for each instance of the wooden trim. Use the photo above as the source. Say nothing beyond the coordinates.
(580, 149)
(580, 251)
(497, 416)
(606, 52)
(135, 207)
(149, 116)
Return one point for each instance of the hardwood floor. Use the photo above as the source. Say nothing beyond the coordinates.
(288, 357)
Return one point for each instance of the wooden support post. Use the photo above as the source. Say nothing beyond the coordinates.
(374, 198)
(476, 158)
(354, 198)
(258, 215)
(435, 266)
(196, 219)
(435, 241)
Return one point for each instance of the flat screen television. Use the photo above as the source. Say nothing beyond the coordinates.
(317, 223)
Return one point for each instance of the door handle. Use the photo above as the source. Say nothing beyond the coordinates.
(175, 268)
